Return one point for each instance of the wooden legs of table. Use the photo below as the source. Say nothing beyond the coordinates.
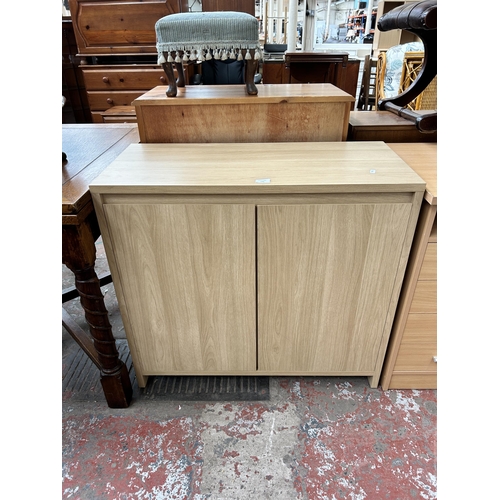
(79, 256)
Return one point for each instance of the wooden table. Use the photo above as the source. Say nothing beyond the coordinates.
(89, 149)
(226, 113)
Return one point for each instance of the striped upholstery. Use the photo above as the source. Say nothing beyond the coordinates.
(203, 35)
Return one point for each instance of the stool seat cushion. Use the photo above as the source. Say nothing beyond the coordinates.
(200, 35)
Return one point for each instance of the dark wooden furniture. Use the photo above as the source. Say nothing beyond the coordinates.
(89, 149)
(117, 43)
(384, 126)
(383, 40)
(247, 6)
(314, 67)
(76, 107)
(366, 99)
(420, 19)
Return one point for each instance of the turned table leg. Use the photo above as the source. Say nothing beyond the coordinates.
(79, 255)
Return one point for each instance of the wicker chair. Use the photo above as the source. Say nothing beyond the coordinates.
(397, 69)
(412, 65)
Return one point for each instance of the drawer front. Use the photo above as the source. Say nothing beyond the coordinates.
(110, 79)
(106, 100)
(413, 381)
(119, 27)
(119, 119)
(429, 265)
(419, 344)
(425, 298)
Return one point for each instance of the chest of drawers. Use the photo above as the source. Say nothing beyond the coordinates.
(411, 361)
(117, 40)
(118, 85)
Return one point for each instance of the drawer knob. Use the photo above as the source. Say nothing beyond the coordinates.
(109, 100)
(162, 79)
(435, 359)
(105, 79)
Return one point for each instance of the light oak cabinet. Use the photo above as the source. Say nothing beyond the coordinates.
(411, 361)
(289, 265)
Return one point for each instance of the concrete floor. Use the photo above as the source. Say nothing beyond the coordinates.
(315, 438)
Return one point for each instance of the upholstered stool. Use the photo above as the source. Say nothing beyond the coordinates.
(200, 36)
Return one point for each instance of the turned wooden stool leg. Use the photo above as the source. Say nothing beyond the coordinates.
(169, 71)
(181, 80)
(251, 67)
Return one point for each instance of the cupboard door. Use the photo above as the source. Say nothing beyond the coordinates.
(326, 277)
(188, 275)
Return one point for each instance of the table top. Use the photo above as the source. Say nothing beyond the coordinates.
(90, 148)
(281, 167)
(421, 157)
(236, 94)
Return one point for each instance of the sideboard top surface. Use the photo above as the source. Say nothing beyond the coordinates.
(236, 94)
(421, 157)
(258, 168)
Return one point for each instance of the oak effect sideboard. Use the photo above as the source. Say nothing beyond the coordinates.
(258, 259)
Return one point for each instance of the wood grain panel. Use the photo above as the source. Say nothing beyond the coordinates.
(119, 26)
(188, 272)
(99, 100)
(325, 280)
(251, 122)
(425, 297)
(411, 380)
(429, 265)
(292, 168)
(419, 344)
(136, 77)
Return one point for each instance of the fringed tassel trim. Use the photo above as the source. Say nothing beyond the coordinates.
(207, 53)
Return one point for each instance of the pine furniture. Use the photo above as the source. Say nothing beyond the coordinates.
(117, 48)
(226, 113)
